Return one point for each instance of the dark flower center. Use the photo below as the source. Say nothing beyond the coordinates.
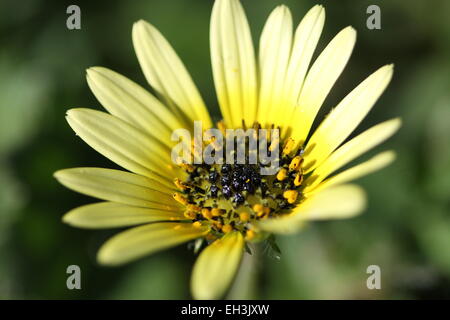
(230, 196)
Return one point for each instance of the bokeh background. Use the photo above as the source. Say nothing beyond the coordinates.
(405, 230)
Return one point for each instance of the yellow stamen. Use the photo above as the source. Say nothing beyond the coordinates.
(216, 212)
(244, 216)
(193, 207)
(274, 144)
(249, 235)
(197, 224)
(190, 214)
(264, 212)
(288, 146)
(221, 126)
(179, 184)
(178, 197)
(258, 208)
(298, 179)
(295, 163)
(206, 213)
(196, 147)
(282, 174)
(290, 195)
(189, 168)
(227, 228)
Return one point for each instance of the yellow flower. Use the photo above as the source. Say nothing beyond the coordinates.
(179, 203)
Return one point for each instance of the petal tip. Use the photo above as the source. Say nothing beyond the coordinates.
(350, 31)
(67, 219)
(140, 22)
(283, 7)
(396, 123)
(319, 8)
(74, 111)
(387, 69)
(142, 25)
(105, 257)
(91, 71)
(58, 174)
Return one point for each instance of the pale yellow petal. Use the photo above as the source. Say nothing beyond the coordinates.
(166, 73)
(144, 240)
(216, 267)
(112, 215)
(118, 186)
(233, 63)
(306, 38)
(341, 122)
(122, 143)
(374, 164)
(319, 81)
(353, 149)
(339, 202)
(130, 102)
(274, 52)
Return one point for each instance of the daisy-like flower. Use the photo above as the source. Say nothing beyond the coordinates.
(224, 206)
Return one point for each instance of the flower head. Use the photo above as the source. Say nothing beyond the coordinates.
(224, 205)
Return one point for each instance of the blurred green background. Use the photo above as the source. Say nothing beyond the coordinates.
(405, 230)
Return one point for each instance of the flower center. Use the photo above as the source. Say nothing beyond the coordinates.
(230, 196)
